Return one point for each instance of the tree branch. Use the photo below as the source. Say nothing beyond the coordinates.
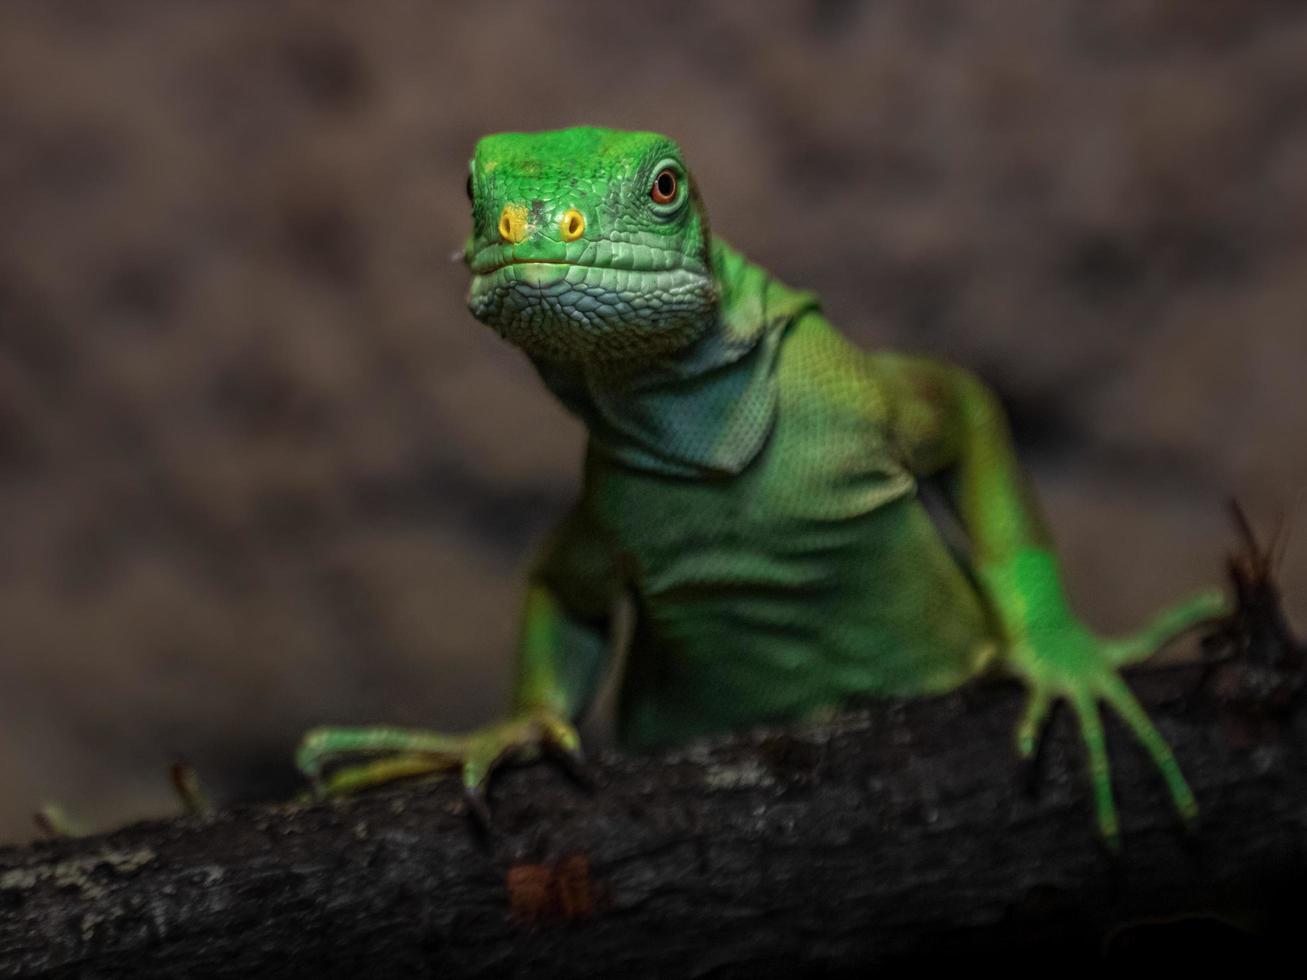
(895, 831)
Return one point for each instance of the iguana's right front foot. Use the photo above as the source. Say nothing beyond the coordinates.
(405, 752)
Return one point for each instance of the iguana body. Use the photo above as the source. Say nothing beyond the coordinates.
(751, 484)
(768, 563)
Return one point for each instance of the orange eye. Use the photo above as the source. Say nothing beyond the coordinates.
(664, 186)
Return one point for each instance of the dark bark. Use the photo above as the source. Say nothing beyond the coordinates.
(902, 830)
(905, 830)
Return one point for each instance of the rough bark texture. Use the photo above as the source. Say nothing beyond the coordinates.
(903, 830)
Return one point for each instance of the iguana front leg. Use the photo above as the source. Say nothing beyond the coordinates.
(947, 421)
(563, 650)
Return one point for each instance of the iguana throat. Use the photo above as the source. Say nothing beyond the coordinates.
(705, 410)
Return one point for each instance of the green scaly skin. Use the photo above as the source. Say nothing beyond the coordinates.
(750, 483)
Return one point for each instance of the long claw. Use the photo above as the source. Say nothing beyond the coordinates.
(1123, 701)
(564, 746)
(1032, 722)
(574, 764)
(475, 796)
(1169, 624)
(1091, 730)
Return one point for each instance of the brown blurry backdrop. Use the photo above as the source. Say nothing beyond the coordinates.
(259, 469)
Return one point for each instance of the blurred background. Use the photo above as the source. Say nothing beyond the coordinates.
(260, 470)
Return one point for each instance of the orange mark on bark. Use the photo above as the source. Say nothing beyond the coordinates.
(558, 892)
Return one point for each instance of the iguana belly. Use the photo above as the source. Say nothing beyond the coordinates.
(814, 576)
(774, 628)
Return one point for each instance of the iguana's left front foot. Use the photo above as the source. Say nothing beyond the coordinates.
(1062, 659)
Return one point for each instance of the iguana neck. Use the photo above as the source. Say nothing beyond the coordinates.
(704, 410)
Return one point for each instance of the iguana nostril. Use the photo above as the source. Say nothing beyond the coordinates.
(512, 223)
(572, 224)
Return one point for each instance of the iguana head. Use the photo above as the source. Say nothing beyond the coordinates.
(588, 245)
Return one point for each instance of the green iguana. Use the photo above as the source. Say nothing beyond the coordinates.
(751, 484)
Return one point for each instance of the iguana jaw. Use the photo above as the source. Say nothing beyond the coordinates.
(563, 311)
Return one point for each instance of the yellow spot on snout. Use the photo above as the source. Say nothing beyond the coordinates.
(512, 223)
(572, 225)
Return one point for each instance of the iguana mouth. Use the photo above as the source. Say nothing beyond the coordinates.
(491, 269)
(505, 265)
(488, 265)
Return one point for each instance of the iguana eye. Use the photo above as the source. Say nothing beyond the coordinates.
(665, 186)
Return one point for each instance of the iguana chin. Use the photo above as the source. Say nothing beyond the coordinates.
(750, 483)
